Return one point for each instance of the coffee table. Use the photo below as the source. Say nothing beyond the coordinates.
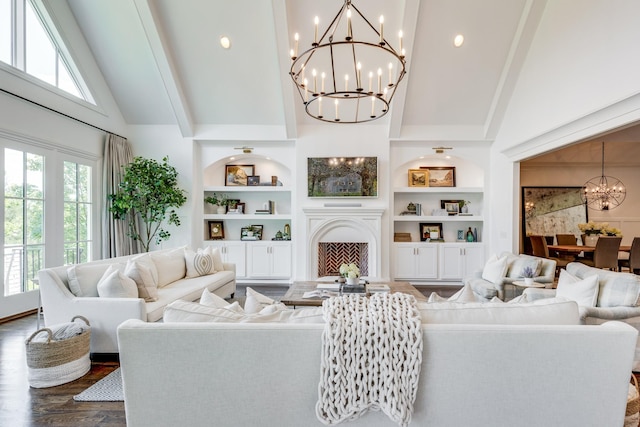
(294, 295)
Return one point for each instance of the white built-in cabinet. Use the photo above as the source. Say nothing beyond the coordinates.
(458, 260)
(269, 260)
(233, 252)
(416, 261)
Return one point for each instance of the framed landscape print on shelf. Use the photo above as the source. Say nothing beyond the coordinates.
(441, 176)
(418, 178)
(238, 174)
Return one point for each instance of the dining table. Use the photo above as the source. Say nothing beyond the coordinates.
(576, 249)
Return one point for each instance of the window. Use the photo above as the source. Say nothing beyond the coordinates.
(23, 220)
(77, 213)
(30, 43)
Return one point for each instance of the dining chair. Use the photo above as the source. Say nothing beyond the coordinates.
(632, 262)
(566, 239)
(540, 249)
(605, 254)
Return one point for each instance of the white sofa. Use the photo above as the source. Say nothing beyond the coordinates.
(617, 297)
(488, 288)
(59, 304)
(267, 374)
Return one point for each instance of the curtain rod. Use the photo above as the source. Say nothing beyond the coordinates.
(59, 112)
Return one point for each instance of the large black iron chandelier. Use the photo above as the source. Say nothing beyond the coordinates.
(342, 79)
(603, 192)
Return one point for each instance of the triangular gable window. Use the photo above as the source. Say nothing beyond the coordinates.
(30, 42)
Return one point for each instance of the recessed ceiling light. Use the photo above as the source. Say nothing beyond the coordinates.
(225, 42)
(458, 40)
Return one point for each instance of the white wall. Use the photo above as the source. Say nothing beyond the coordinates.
(572, 85)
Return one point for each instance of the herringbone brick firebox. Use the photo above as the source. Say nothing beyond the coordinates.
(333, 254)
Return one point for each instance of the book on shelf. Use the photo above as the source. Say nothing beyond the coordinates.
(328, 286)
(262, 212)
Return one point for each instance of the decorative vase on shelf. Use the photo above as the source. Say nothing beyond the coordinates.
(591, 239)
(222, 210)
(352, 280)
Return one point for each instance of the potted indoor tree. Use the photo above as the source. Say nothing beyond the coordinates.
(149, 192)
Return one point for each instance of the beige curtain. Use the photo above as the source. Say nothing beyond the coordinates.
(115, 242)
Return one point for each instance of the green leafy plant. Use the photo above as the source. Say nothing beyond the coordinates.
(217, 199)
(149, 190)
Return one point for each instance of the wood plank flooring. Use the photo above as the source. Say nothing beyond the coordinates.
(23, 406)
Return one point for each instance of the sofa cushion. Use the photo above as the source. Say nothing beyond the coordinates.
(114, 284)
(616, 289)
(553, 311)
(199, 263)
(255, 302)
(583, 291)
(495, 269)
(183, 311)
(519, 263)
(83, 279)
(210, 299)
(142, 274)
(170, 265)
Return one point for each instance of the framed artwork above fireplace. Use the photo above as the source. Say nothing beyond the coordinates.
(342, 177)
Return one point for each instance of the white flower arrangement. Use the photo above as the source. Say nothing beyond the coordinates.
(603, 228)
(350, 271)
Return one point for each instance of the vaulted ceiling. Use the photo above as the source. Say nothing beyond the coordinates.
(164, 64)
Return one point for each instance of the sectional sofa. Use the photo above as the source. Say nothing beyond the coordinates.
(240, 370)
(68, 291)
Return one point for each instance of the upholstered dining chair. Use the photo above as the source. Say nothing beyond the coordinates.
(633, 260)
(606, 253)
(566, 239)
(540, 249)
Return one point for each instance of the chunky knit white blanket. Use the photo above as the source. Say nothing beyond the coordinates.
(371, 357)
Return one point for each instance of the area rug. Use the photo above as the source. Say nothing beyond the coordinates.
(108, 389)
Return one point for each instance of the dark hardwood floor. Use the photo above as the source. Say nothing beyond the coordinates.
(23, 406)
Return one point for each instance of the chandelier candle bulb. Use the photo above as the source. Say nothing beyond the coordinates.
(323, 75)
(373, 105)
(381, 30)
(346, 84)
(390, 74)
(320, 107)
(316, 21)
(379, 81)
(349, 31)
(296, 37)
(400, 37)
(306, 92)
(358, 80)
(337, 118)
(370, 81)
(315, 81)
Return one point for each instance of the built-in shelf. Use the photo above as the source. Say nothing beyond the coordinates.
(252, 188)
(450, 190)
(245, 217)
(450, 218)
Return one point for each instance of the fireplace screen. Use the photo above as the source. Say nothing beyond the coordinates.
(331, 255)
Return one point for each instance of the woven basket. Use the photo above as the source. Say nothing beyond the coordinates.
(632, 414)
(56, 362)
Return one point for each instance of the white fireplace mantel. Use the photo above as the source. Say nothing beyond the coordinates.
(344, 224)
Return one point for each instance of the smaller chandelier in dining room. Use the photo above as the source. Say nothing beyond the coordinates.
(345, 79)
(603, 192)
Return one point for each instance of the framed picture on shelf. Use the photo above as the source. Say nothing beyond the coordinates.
(216, 230)
(257, 231)
(418, 178)
(441, 176)
(233, 203)
(241, 207)
(238, 174)
(430, 230)
(253, 180)
(451, 206)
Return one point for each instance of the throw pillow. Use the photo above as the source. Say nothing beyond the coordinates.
(520, 263)
(255, 302)
(142, 274)
(170, 265)
(199, 263)
(217, 259)
(495, 269)
(148, 262)
(465, 295)
(114, 284)
(210, 299)
(583, 291)
(83, 279)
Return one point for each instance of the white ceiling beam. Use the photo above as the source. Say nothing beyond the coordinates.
(284, 63)
(410, 22)
(527, 27)
(166, 66)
